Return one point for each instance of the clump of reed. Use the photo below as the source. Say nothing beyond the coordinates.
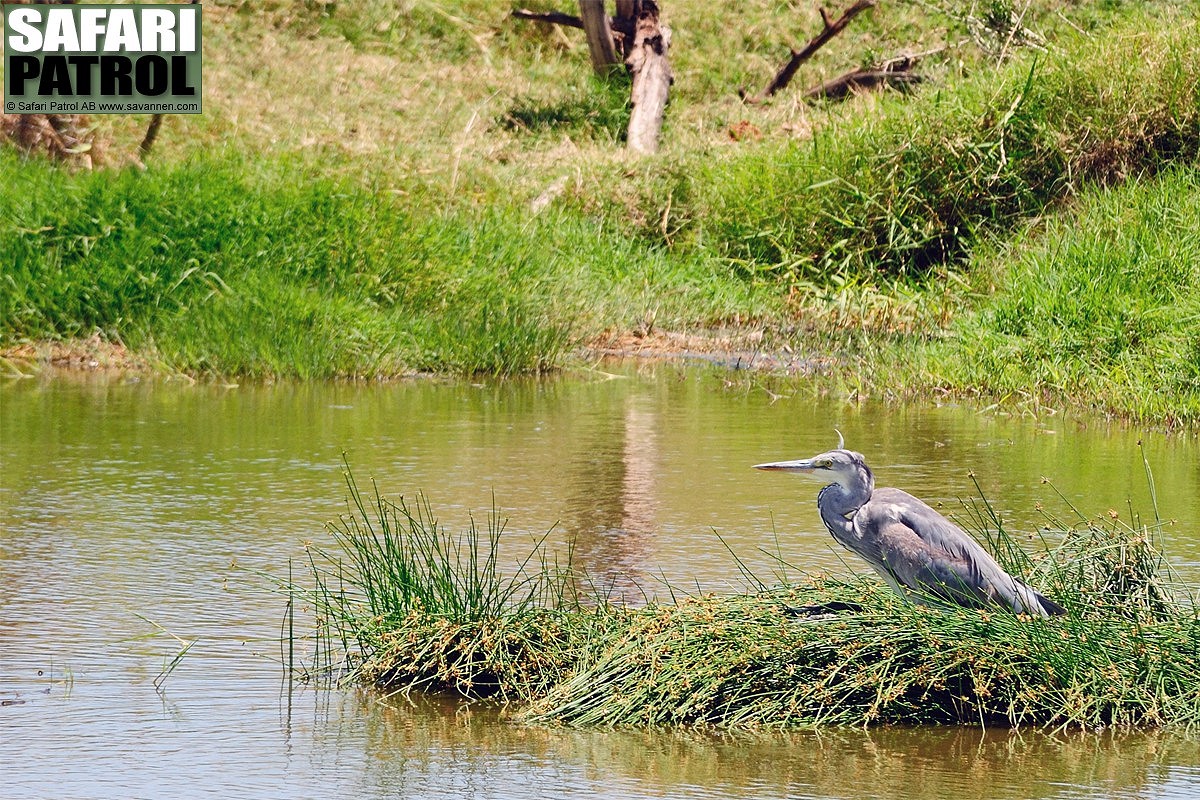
(404, 605)
(402, 602)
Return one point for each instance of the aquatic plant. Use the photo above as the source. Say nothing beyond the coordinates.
(402, 602)
(403, 605)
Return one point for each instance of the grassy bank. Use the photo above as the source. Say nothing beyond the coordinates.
(236, 266)
(404, 605)
(383, 235)
(915, 183)
(1102, 304)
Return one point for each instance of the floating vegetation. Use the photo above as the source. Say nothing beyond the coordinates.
(404, 605)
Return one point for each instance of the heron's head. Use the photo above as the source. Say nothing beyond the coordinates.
(836, 466)
(841, 466)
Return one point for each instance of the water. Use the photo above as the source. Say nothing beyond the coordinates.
(134, 512)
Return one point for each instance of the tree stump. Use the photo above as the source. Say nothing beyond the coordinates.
(651, 71)
(599, 36)
(637, 33)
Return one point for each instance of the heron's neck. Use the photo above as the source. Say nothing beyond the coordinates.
(838, 502)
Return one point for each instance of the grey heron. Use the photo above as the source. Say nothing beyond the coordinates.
(919, 553)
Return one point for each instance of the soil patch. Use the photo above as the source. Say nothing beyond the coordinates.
(91, 354)
(729, 348)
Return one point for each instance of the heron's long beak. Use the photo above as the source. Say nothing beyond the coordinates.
(803, 465)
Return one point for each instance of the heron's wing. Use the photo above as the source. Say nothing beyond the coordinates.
(930, 571)
(931, 555)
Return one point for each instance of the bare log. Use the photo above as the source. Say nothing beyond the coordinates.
(858, 79)
(832, 28)
(549, 17)
(599, 36)
(896, 72)
(651, 71)
(150, 137)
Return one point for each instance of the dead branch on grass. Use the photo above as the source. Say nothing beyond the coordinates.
(63, 137)
(895, 73)
(549, 17)
(857, 80)
(832, 28)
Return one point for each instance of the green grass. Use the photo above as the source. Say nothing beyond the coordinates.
(1102, 304)
(913, 185)
(593, 110)
(403, 605)
(391, 228)
(248, 268)
(400, 583)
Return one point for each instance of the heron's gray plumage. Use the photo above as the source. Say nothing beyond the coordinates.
(918, 552)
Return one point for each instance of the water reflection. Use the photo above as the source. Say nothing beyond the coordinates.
(482, 753)
(124, 504)
(611, 501)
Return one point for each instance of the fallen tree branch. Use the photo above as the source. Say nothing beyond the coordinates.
(549, 17)
(896, 72)
(832, 28)
(840, 87)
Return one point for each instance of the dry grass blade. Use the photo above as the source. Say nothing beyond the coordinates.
(185, 646)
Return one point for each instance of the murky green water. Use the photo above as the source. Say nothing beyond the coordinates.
(134, 511)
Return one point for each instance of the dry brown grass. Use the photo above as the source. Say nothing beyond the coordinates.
(94, 353)
(347, 87)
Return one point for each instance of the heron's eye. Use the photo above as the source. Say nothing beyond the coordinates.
(825, 463)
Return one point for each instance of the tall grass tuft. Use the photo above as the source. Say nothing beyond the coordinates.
(407, 606)
(405, 560)
(403, 602)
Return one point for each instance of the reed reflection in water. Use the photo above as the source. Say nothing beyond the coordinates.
(484, 754)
